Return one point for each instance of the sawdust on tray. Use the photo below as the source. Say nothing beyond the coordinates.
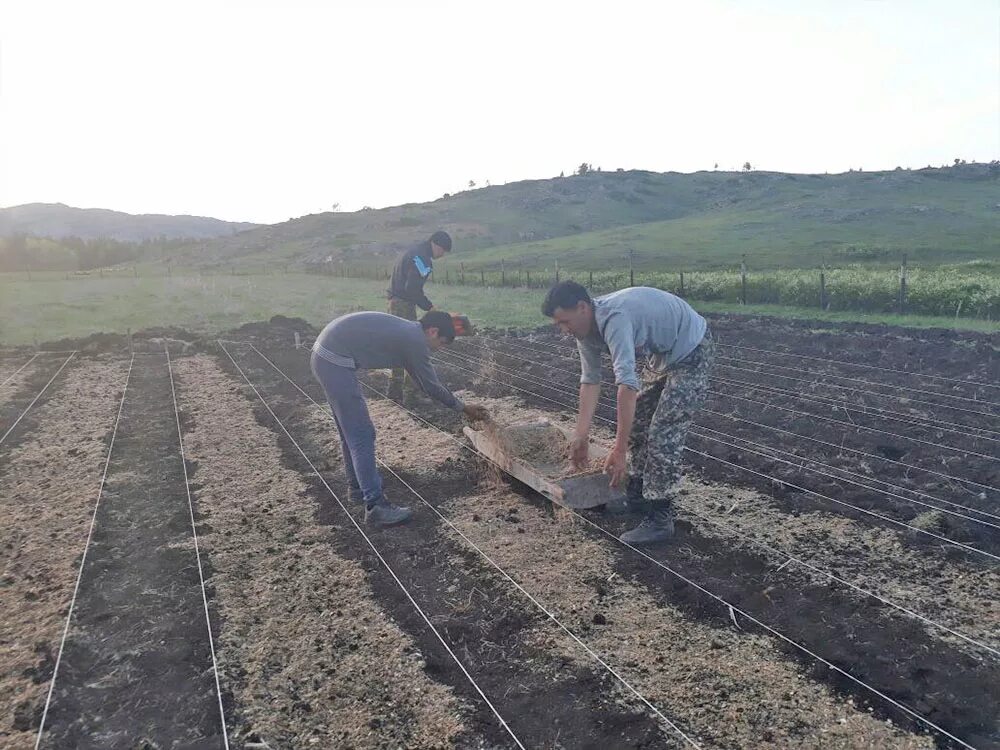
(310, 656)
(48, 490)
(729, 689)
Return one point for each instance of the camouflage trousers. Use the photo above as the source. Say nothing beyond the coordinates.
(664, 411)
(407, 310)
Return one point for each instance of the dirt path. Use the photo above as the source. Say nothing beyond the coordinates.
(136, 664)
(308, 655)
(49, 480)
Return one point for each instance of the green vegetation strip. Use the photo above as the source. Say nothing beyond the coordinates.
(53, 307)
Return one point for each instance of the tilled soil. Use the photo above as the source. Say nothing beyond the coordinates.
(137, 664)
(547, 700)
(308, 654)
(22, 389)
(50, 473)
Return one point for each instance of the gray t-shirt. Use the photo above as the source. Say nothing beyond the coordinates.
(376, 340)
(639, 321)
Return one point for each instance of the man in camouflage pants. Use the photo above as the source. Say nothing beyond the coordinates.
(653, 415)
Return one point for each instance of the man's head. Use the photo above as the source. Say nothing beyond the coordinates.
(438, 329)
(570, 307)
(440, 243)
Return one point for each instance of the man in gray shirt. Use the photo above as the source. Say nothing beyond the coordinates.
(654, 411)
(374, 340)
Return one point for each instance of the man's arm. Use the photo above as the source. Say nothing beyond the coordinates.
(423, 372)
(580, 444)
(615, 463)
(620, 338)
(416, 275)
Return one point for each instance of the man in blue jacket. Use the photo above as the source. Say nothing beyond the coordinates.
(375, 340)
(655, 409)
(406, 289)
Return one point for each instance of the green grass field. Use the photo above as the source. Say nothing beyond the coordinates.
(50, 306)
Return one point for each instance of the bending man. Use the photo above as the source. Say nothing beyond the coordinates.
(653, 415)
(374, 340)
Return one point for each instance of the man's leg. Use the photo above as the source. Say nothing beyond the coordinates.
(645, 407)
(354, 487)
(408, 311)
(357, 435)
(684, 391)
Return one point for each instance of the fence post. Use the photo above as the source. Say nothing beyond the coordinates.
(528, 277)
(463, 272)
(590, 284)
(631, 270)
(902, 286)
(557, 271)
(168, 271)
(447, 280)
(482, 276)
(503, 274)
(822, 289)
(135, 271)
(682, 283)
(743, 280)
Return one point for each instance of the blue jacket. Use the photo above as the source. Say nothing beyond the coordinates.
(410, 273)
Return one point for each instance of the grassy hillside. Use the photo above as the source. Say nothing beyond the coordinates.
(58, 220)
(701, 220)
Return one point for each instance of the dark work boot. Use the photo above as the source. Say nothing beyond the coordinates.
(384, 513)
(657, 526)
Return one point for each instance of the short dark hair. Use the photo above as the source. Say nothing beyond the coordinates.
(565, 294)
(442, 239)
(442, 321)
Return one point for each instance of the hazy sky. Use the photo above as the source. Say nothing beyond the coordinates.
(261, 111)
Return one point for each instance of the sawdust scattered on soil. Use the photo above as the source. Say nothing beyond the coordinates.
(962, 596)
(7, 370)
(310, 657)
(396, 441)
(48, 490)
(732, 690)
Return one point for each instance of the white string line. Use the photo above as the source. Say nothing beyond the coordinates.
(853, 426)
(831, 361)
(488, 559)
(822, 375)
(197, 551)
(737, 532)
(44, 388)
(741, 366)
(606, 404)
(840, 403)
(836, 403)
(784, 482)
(378, 554)
(733, 609)
(838, 446)
(83, 559)
(14, 374)
(973, 383)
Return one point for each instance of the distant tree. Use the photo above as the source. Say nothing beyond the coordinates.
(335, 207)
(598, 169)
(562, 174)
(746, 166)
(367, 208)
(716, 165)
(472, 184)
(446, 195)
(487, 183)
(957, 161)
(584, 168)
(619, 169)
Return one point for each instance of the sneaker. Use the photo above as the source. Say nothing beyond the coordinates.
(658, 526)
(384, 513)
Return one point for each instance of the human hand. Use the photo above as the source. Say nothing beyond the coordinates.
(615, 466)
(579, 447)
